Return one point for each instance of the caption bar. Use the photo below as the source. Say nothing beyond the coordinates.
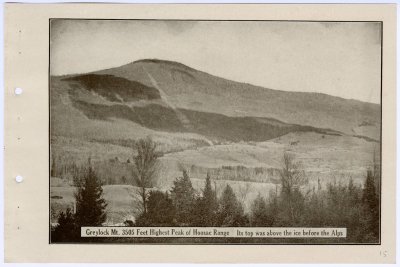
(237, 232)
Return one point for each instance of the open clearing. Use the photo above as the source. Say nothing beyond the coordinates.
(325, 157)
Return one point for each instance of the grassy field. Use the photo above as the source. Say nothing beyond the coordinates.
(124, 202)
(321, 156)
(251, 168)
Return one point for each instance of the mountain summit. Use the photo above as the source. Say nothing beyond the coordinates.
(169, 96)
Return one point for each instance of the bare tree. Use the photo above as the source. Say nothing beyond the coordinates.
(292, 178)
(377, 171)
(244, 190)
(146, 165)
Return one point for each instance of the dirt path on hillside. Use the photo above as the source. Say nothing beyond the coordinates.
(182, 118)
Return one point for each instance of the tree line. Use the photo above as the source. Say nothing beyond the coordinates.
(355, 207)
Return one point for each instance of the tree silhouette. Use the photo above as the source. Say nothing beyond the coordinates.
(371, 205)
(292, 200)
(260, 213)
(66, 230)
(230, 212)
(206, 206)
(183, 197)
(90, 204)
(145, 167)
(160, 211)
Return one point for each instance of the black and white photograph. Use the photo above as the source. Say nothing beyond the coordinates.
(165, 131)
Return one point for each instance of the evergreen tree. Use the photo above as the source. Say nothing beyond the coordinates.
(315, 210)
(371, 207)
(273, 206)
(160, 211)
(90, 204)
(230, 212)
(353, 208)
(206, 206)
(259, 213)
(183, 198)
(336, 197)
(66, 230)
(353, 195)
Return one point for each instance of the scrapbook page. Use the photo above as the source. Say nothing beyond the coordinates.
(138, 131)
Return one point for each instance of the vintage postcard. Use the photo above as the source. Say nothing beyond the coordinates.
(194, 129)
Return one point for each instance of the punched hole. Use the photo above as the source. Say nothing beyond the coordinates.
(18, 91)
(19, 179)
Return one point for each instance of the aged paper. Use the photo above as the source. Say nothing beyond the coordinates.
(200, 133)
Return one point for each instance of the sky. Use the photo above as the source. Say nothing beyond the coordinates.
(336, 58)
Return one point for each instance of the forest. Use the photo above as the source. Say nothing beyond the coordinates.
(348, 205)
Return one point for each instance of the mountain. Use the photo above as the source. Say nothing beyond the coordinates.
(171, 99)
(188, 88)
(237, 133)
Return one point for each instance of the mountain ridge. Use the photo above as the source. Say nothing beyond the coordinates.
(181, 87)
(176, 63)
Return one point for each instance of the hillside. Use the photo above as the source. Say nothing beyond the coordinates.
(170, 97)
(90, 106)
(188, 88)
(237, 133)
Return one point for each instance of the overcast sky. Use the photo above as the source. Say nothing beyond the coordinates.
(341, 59)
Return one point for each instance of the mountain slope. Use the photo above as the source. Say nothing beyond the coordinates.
(192, 89)
(169, 96)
